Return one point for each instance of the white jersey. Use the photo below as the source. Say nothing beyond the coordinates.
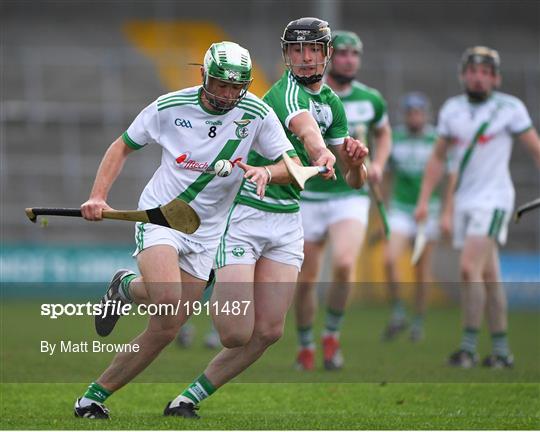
(193, 139)
(481, 136)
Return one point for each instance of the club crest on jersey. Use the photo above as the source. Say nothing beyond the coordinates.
(241, 128)
(238, 251)
(184, 161)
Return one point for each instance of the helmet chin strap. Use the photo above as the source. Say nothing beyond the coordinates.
(308, 80)
(340, 79)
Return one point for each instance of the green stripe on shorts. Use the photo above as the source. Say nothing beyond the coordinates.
(220, 256)
(496, 223)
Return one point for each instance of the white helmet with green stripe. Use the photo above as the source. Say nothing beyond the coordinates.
(226, 62)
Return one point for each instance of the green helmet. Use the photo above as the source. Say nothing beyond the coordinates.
(230, 63)
(346, 39)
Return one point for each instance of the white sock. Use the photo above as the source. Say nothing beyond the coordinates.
(84, 402)
(179, 399)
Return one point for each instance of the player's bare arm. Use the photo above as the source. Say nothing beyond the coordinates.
(351, 155)
(532, 142)
(307, 130)
(108, 171)
(435, 169)
(447, 212)
(383, 144)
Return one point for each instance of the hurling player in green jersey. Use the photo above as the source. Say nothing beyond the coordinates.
(411, 148)
(261, 251)
(334, 211)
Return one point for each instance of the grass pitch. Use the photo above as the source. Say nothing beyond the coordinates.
(394, 385)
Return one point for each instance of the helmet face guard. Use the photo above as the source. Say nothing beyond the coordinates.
(481, 55)
(228, 63)
(305, 32)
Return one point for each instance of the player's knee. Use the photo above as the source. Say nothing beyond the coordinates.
(269, 335)
(343, 268)
(234, 338)
(167, 297)
(468, 272)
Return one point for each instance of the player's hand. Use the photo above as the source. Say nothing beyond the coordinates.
(93, 209)
(445, 224)
(327, 159)
(421, 212)
(356, 151)
(375, 173)
(256, 175)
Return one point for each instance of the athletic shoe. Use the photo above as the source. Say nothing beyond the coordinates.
(93, 411)
(105, 325)
(186, 410)
(463, 359)
(417, 334)
(393, 329)
(333, 359)
(211, 340)
(305, 360)
(185, 336)
(498, 361)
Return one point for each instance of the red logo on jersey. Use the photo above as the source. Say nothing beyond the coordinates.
(484, 139)
(184, 161)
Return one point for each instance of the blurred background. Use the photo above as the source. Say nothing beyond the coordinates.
(74, 74)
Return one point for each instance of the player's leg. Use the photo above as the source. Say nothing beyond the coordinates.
(497, 314)
(162, 279)
(306, 301)
(315, 225)
(394, 250)
(346, 237)
(402, 229)
(473, 259)
(423, 279)
(273, 294)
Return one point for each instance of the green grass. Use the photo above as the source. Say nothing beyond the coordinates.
(384, 385)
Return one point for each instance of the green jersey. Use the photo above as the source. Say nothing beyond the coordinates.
(366, 110)
(288, 98)
(408, 160)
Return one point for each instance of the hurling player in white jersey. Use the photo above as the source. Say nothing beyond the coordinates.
(477, 130)
(195, 127)
(260, 254)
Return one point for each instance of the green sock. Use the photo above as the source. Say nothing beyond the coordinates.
(418, 321)
(124, 288)
(398, 311)
(199, 390)
(500, 344)
(334, 320)
(97, 393)
(305, 337)
(469, 339)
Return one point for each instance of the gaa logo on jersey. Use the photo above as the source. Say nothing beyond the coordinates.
(184, 161)
(241, 128)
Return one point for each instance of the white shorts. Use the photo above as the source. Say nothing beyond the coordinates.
(253, 233)
(485, 222)
(402, 222)
(194, 258)
(317, 216)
